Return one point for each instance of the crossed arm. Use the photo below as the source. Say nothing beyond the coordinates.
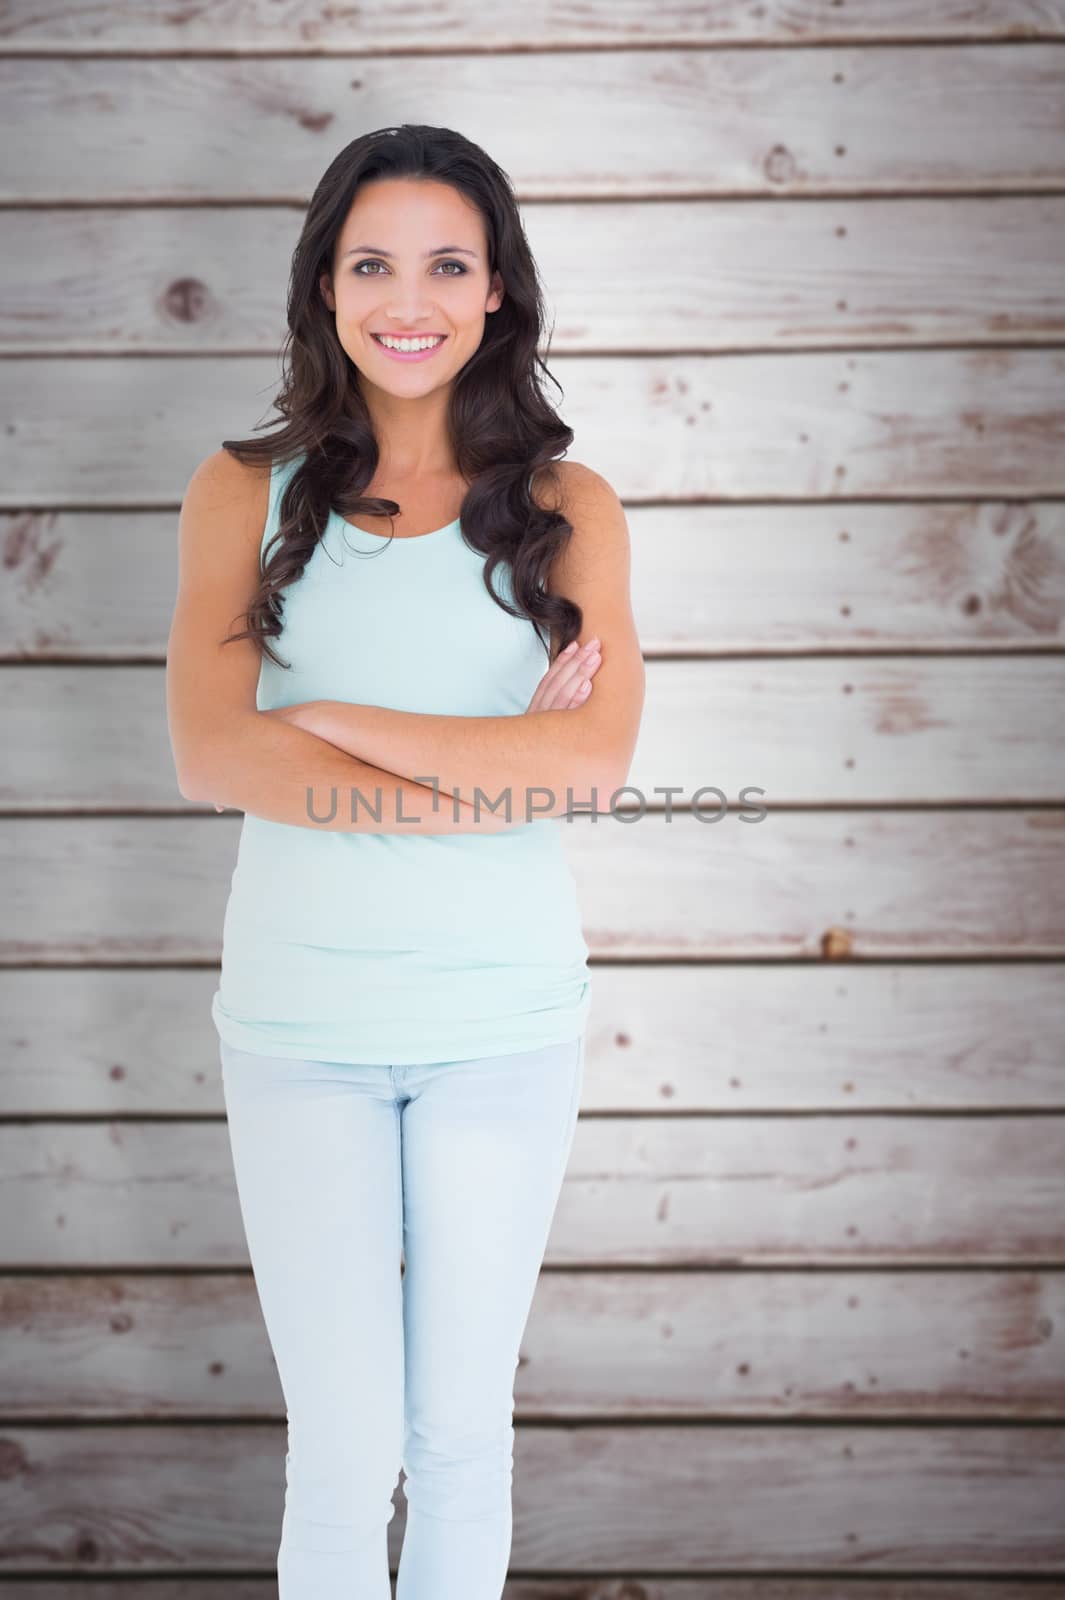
(544, 762)
(431, 773)
(541, 764)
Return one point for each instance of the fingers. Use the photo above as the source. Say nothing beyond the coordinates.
(563, 684)
(579, 665)
(572, 694)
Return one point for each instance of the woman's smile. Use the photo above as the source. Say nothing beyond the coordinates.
(413, 350)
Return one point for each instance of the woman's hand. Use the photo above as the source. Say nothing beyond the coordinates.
(568, 680)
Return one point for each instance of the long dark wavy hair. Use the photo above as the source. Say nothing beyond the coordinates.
(502, 428)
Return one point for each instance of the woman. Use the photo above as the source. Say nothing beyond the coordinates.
(404, 986)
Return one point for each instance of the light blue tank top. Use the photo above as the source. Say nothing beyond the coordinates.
(400, 948)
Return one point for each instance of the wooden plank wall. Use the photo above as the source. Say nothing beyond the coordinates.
(801, 1327)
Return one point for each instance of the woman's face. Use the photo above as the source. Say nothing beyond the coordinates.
(411, 259)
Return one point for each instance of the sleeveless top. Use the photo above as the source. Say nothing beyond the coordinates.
(397, 948)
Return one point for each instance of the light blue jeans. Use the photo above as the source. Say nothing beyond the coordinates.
(339, 1168)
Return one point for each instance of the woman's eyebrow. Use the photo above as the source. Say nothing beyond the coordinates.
(441, 250)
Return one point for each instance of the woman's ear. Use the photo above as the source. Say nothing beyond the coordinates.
(495, 293)
(325, 283)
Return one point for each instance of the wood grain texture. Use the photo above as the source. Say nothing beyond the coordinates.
(643, 1586)
(639, 1587)
(421, 26)
(590, 1500)
(638, 1192)
(799, 1335)
(895, 119)
(601, 1344)
(772, 1037)
(726, 275)
(897, 425)
(884, 882)
(921, 730)
(708, 581)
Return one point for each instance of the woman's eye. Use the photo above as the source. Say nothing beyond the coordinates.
(374, 263)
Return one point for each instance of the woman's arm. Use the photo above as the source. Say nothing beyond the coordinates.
(280, 772)
(546, 763)
(390, 801)
(227, 751)
(353, 728)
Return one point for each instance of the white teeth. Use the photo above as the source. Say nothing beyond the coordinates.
(409, 344)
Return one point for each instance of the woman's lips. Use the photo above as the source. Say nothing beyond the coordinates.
(409, 355)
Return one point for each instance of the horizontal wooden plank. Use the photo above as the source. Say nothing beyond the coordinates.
(589, 1500)
(883, 271)
(892, 424)
(749, 121)
(606, 1345)
(929, 730)
(959, 1037)
(707, 580)
(307, 27)
(637, 1587)
(848, 884)
(639, 1191)
(716, 579)
(830, 885)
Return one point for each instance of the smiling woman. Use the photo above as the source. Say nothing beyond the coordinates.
(409, 293)
(373, 656)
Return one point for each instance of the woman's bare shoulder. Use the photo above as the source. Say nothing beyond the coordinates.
(224, 487)
(566, 485)
(223, 473)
